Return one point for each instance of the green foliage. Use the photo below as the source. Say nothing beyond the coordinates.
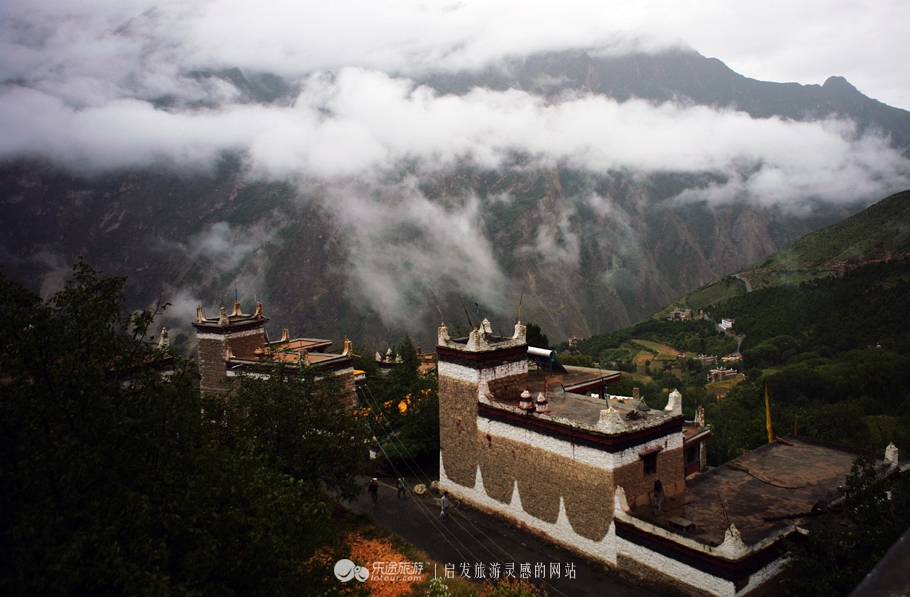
(696, 336)
(403, 406)
(535, 337)
(880, 227)
(864, 308)
(834, 558)
(709, 294)
(575, 360)
(298, 424)
(113, 481)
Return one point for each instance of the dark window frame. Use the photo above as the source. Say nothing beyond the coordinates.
(649, 462)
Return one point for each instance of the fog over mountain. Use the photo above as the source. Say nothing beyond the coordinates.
(200, 147)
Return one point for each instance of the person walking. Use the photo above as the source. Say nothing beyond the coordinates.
(373, 487)
(401, 490)
(444, 506)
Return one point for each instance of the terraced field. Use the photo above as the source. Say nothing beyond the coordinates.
(654, 352)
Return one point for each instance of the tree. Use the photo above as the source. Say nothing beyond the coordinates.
(404, 406)
(535, 336)
(833, 558)
(298, 423)
(113, 481)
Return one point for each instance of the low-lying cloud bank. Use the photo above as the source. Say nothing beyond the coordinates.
(362, 121)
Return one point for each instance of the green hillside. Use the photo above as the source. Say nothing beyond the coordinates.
(878, 233)
(881, 232)
(824, 325)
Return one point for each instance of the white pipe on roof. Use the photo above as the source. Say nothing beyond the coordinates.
(541, 352)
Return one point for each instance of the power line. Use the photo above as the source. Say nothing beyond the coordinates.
(374, 402)
(420, 505)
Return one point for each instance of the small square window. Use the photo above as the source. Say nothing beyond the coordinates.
(650, 462)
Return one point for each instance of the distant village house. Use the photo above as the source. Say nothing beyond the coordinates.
(680, 315)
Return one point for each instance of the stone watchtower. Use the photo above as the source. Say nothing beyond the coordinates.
(224, 337)
(549, 460)
(469, 368)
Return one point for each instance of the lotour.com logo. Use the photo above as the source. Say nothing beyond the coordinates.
(345, 570)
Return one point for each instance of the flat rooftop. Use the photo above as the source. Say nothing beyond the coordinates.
(763, 491)
(580, 407)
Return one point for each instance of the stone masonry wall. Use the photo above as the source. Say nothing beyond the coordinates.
(542, 478)
(638, 486)
(508, 388)
(458, 429)
(244, 343)
(211, 366)
(651, 573)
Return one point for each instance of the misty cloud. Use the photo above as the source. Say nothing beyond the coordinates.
(404, 245)
(364, 121)
(234, 257)
(556, 243)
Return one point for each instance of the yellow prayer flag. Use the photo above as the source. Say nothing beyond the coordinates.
(768, 415)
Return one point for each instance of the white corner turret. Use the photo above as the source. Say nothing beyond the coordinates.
(674, 404)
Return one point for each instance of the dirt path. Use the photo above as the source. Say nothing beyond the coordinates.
(748, 285)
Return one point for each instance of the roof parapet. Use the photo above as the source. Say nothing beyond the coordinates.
(733, 546)
(482, 339)
(521, 332)
(610, 421)
(674, 404)
(891, 456)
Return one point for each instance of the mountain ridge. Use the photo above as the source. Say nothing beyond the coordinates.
(676, 75)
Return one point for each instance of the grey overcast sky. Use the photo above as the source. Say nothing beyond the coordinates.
(777, 40)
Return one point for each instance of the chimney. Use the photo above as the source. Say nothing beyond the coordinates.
(635, 393)
(526, 404)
